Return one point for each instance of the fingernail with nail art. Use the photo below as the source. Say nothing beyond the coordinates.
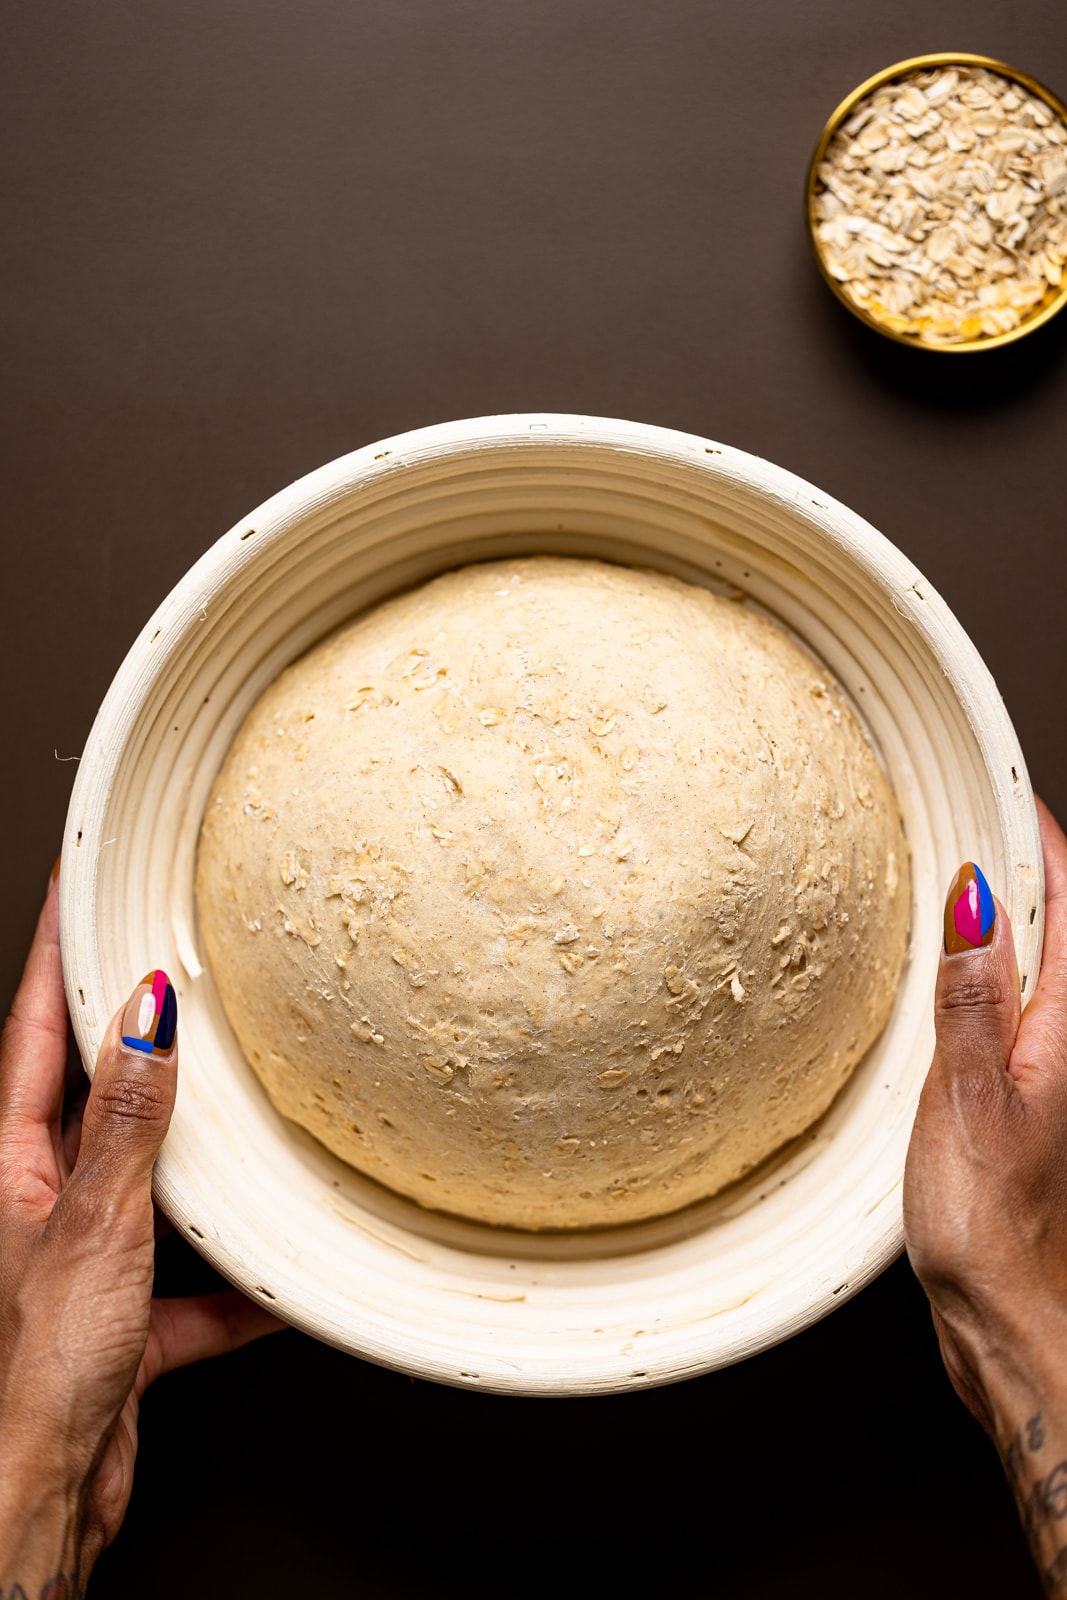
(150, 1020)
(969, 911)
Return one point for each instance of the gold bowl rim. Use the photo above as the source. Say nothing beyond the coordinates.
(941, 58)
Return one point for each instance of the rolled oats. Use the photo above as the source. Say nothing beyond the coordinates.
(940, 205)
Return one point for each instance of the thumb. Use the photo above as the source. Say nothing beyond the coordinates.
(976, 1001)
(129, 1107)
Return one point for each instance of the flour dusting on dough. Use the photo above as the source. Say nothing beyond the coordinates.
(554, 893)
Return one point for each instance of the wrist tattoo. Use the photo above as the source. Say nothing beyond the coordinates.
(1027, 1441)
(1043, 1500)
(1055, 1576)
(1047, 1500)
(58, 1587)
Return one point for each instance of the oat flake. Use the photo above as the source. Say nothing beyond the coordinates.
(941, 205)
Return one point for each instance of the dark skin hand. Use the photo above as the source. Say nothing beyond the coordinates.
(985, 1211)
(985, 1204)
(81, 1337)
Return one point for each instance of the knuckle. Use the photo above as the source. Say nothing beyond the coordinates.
(980, 993)
(130, 1100)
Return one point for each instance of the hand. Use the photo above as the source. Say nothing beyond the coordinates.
(81, 1337)
(985, 1197)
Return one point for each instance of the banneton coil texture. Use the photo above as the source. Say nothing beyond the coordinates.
(553, 893)
(588, 1311)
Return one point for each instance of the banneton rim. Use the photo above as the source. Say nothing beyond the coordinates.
(339, 1256)
(1056, 297)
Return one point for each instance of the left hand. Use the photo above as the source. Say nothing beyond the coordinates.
(81, 1337)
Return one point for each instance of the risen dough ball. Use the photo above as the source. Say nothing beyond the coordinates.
(554, 893)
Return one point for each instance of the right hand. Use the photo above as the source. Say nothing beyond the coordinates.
(985, 1202)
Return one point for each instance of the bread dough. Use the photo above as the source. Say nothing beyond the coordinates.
(554, 893)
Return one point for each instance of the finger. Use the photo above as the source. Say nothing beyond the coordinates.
(976, 1000)
(33, 1051)
(200, 1326)
(1043, 1031)
(131, 1099)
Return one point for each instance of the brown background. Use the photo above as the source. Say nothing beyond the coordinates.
(245, 236)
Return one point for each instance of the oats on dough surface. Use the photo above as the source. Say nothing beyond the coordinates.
(614, 883)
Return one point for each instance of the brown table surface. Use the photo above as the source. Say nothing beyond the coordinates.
(245, 236)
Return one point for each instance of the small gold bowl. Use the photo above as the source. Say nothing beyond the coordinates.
(1055, 296)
